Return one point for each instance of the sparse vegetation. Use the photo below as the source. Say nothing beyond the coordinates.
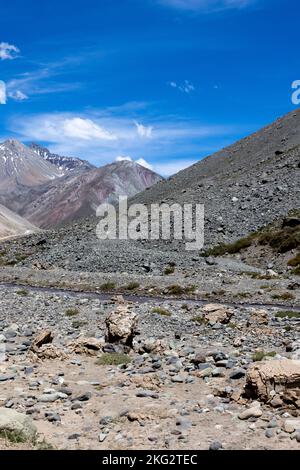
(230, 248)
(296, 271)
(284, 296)
(190, 289)
(71, 312)
(162, 311)
(294, 262)
(132, 286)
(113, 359)
(243, 295)
(13, 436)
(281, 240)
(261, 355)
(175, 290)
(185, 307)
(261, 277)
(169, 270)
(107, 286)
(44, 445)
(287, 314)
(78, 323)
(200, 319)
(22, 293)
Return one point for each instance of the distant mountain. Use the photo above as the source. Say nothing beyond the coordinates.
(12, 225)
(65, 164)
(78, 196)
(22, 167)
(49, 190)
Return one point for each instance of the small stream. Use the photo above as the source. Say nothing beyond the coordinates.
(147, 298)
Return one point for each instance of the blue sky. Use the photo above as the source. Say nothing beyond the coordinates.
(166, 81)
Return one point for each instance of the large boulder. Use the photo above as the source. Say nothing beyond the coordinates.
(88, 346)
(278, 379)
(16, 425)
(258, 318)
(215, 313)
(121, 326)
(44, 337)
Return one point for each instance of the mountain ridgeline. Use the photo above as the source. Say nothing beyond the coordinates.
(49, 190)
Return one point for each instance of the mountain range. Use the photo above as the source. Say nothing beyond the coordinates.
(65, 164)
(48, 190)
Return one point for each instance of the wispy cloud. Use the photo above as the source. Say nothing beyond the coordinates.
(84, 129)
(206, 5)
(101, 137)
(144, 131)
(8, 51)
(2, 92)
(185, 87)
(43, 80)
(18, 95)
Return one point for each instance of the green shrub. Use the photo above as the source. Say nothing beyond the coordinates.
(132, 286)
(78, 323)
(162, 311)
(71, 312)
(295, 261)
(14, 437)
(260, 355)
(231, 248)
(113, 359)
(175, 290)
(200, 319)
(169, 270)
(107, 286)
(287, 314)
(281, 240)
(296, 271)
(22, 293)
(284, 296)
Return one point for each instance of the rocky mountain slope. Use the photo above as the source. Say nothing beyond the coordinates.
(21, 167)
(79, 195)
(244, 186)
(12, 225)
(65, 164)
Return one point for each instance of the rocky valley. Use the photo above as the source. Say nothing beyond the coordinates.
(122, 344)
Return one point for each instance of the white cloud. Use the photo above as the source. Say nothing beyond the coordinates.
(18, 95)
(100, 137)
(171, 167)
(85, 129)
(144, 163)
(144, 131)
(207, 5)
(8, 51)
(122, 159)
(185, 87)
(140, 161)
(2, 92)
